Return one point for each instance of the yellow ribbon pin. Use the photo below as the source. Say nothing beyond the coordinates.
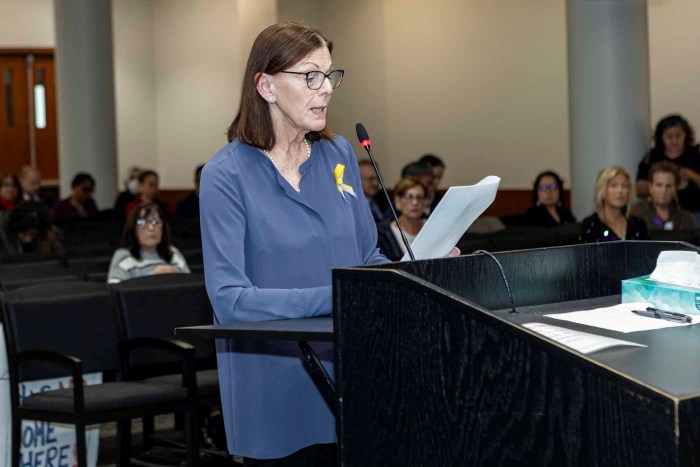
(338, 173)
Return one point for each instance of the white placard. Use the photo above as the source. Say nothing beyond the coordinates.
(44, 444)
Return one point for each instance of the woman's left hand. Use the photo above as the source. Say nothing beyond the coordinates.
(453, 252)
(690, 174)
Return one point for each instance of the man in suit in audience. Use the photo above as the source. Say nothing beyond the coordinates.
(30, 181)
(370, 187)
(188, 208)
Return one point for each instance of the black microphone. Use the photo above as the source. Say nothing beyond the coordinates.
(363, 136)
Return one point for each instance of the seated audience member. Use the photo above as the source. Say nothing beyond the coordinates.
(373, 192)
(661, 211)
(30, 181)
(410, 200)
(148, 191)
(423, 172)
(547, 208)
(28, 229)
(437, 165)
(674, 141)
(146, 248)
(131, 190)
(9, 192)
(79, 205)
(610, 220)
(188, 208)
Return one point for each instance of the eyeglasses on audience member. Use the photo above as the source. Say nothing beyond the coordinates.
(144, 223)
(411, 197)
(552, 187)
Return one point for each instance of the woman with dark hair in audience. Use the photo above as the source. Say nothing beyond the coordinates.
(80, 204)
(610, 221)
(146, 247)
(409, 199)
(148, 191)
(10, 192)
(547, 208)
(27, 229)
(660, 211)
(674, 141)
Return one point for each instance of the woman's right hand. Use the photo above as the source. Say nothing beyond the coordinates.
(164, 269)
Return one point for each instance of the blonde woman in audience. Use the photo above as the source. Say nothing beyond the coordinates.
(146, 247)
(410, 198)
(610, 220)
(661, 211)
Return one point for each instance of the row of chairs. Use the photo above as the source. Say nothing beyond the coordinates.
(22, 270)
(76, 327)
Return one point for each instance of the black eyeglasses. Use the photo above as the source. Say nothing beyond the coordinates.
(552, 187)
(315, 79)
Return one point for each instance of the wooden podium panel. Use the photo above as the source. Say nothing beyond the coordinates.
(433, 370)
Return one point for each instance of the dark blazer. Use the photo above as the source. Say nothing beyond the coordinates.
(594, 230)
(539, 216)
(386, 241)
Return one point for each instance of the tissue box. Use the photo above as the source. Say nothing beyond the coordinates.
(662, 295)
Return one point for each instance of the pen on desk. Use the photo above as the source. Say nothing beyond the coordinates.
(663, 314)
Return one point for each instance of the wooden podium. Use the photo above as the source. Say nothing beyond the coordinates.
(433, 370)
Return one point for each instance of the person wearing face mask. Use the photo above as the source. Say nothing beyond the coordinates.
(610, 221)
(674, 141)
(148, 191)
(131, 191)
(661, 210)
(409, 200)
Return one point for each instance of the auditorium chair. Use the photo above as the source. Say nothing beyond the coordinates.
(152, 306)
(71, 329)
(26, 274)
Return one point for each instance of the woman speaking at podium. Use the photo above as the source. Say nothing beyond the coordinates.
(281, 205)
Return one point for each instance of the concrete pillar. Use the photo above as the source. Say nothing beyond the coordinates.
(609, 103)
(85, 95)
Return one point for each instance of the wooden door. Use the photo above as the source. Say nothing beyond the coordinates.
(28, 112)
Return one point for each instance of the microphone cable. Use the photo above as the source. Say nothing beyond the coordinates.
(503, 276)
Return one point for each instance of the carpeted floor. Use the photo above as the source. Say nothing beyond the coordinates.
(158, 456)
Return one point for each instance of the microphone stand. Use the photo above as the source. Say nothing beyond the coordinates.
(363, 136)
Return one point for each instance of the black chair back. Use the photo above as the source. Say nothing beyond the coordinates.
(76, 318)
(152, 306)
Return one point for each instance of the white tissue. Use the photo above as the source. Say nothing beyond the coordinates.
(677, 267)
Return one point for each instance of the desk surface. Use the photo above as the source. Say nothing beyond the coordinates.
(670, 363)
(309, 329)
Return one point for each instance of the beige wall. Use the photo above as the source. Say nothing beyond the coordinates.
(135, 84)
(674, 36)
(27, 23)
(482, 84)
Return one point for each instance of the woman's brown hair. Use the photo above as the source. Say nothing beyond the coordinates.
(275, 49)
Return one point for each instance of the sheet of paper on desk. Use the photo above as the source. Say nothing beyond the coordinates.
(619, 318)
(582, 341)
(457, 210)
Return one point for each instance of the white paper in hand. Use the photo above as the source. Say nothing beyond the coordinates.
(457, 210)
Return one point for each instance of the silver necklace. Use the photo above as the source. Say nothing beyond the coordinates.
(308, 154)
